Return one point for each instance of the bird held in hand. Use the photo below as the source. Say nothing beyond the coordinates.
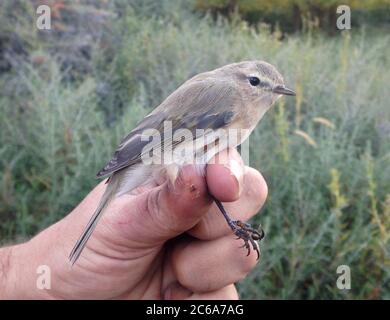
(213, 111)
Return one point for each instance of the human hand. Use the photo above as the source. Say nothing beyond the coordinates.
(160, 242)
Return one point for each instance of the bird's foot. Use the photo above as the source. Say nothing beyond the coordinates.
(250, 235)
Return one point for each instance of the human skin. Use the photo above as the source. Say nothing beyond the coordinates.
(162, 241)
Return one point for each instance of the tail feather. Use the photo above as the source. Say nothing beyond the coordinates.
(118, 184)
(90, 227)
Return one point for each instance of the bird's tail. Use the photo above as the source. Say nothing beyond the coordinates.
(82, 241)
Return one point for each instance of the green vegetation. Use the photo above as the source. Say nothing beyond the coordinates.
(292, 15)
(67, 96)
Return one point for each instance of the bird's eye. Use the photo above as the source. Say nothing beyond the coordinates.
(254, 81)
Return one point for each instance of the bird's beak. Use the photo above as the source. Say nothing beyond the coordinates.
(283, 90)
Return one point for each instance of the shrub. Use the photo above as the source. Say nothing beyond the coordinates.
(293, 15)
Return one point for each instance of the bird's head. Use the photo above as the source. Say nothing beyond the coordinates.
(258, 81)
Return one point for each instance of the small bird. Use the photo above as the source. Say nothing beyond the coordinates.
(232, 97)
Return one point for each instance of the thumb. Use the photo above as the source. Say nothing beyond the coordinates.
(149, 218)
(168, 211)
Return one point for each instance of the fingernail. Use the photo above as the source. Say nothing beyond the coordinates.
(237, 171)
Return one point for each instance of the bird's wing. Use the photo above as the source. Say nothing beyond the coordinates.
(202, 104)
(130, 148)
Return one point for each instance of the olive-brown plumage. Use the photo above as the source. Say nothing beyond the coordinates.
(235, 96)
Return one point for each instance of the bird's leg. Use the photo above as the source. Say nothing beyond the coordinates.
(243, 230)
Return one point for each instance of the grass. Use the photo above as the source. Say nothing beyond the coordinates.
(325, 154)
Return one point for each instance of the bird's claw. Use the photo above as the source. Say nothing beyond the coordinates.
(250, 235)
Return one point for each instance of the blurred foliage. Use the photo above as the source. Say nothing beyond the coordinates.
(293, 15)
(68, 95)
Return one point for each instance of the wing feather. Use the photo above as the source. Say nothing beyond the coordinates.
(204, 104)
